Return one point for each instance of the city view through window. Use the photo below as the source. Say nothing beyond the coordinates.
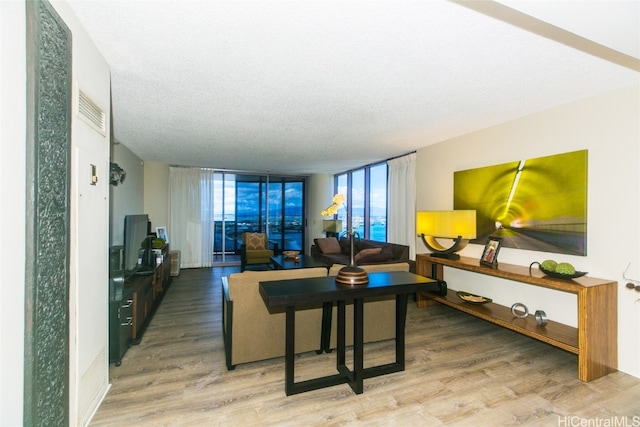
(245, 203)
(257, 203)
(366, 192)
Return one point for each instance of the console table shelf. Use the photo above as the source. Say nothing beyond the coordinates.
(594, 341)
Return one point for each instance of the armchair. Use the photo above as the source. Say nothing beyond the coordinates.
(255, 249)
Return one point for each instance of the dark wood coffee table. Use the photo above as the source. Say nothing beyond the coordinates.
(281, 262)
(289, 294)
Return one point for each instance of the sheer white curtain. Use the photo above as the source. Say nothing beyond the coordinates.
(206, 217)
(401, 220)
(191, 232)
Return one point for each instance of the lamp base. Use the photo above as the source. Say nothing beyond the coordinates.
(440, 251)
(352, 276)
(451, 255)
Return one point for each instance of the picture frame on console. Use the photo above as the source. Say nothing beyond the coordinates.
(489, 256)
(161, 232)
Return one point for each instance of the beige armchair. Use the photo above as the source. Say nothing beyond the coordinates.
(255, 249)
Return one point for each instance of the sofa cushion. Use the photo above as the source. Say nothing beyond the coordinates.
(261, 255)
(328, 245)
(366, 252)
(259, 334)
(376, 257)
(387, 249)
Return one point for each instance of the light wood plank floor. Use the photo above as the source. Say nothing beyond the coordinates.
(460, 371)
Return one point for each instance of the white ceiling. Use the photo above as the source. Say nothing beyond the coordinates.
(300, 87)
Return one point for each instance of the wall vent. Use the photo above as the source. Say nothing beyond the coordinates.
(90, 112)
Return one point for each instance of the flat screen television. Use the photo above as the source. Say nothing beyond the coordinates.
(136, 229)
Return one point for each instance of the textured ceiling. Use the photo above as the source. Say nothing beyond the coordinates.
(301, 87)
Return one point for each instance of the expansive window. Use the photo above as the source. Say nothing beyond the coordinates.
(366, 193)
(378, 202)
(286, 212)
(256, 203)
(210, 210)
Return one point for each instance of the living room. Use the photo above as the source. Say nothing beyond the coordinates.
(581, 122)
(605, 124)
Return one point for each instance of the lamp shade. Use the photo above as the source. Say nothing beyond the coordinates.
(331, 225)
(447, 224)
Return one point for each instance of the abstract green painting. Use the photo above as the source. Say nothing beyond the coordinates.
(537, 204)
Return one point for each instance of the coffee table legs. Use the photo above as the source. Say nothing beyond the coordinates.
(325, 333)
(353, 377)
(289, 351)
(291, 387)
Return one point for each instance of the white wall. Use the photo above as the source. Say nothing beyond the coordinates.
(12, 212)
(319, 196)
(88, 342)
(127, 197)
(608, 126)
(89, 235)
(156, 194)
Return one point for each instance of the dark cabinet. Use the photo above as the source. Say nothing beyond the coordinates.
(132, 304)
(121, 319)
(142, 297)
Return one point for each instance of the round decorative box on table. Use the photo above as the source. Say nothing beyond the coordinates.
(352, 275)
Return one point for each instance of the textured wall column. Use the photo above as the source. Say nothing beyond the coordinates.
(46, 400)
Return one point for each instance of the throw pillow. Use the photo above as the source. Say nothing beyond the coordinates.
(328, 245)
(255, 241)
(365, 252)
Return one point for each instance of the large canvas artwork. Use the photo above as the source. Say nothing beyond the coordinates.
(536, 204)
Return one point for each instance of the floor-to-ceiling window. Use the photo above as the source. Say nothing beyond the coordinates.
(286, 212)
(257, 203)
(366, 193)
(378, 202)
(224, 205)
(210, 210)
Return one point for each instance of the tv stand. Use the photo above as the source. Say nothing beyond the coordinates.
(594, 341)
(145, 271)
(133, 301)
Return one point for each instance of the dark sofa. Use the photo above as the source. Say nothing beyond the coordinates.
(367, 252)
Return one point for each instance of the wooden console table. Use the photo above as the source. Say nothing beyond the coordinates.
(594, 341)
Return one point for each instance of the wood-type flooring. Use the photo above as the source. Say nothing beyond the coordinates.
(460, 371)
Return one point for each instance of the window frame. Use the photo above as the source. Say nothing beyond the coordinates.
(340, 187)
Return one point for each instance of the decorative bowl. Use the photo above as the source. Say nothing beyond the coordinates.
(475, 299)
(556, 274)
(290, 254)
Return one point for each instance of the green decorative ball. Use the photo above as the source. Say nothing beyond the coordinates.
(565, 268)
(549, 265)
(158, 243)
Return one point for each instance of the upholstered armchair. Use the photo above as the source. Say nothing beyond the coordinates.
(255, 249)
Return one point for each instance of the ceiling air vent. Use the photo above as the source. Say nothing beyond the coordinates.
(90, 112)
